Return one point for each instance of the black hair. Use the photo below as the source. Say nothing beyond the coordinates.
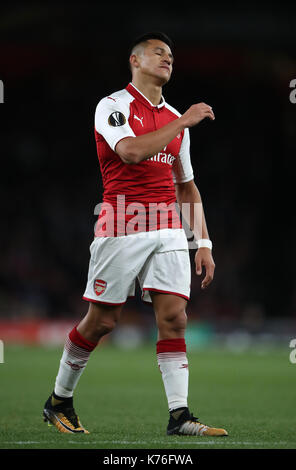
(153, 35)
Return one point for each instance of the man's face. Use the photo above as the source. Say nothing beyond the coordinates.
(155, 59)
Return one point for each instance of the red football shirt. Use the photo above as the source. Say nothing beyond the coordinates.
(138, 197)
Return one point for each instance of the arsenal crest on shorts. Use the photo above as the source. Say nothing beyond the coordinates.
(99, 286)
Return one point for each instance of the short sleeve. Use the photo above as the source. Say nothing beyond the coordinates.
(111, 120)
(182, 168)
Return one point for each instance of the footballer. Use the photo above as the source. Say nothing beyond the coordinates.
(144, 157)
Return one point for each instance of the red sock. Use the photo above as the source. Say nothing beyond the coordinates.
(76, 338)
(169, 345)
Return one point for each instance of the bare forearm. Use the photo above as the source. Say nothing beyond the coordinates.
(190, 202)
(133, 150)
(136, 149)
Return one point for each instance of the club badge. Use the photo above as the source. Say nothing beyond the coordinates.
(99, 286)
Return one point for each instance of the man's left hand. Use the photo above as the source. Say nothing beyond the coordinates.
(203, 257)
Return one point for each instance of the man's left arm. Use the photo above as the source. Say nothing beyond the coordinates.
(190, 203)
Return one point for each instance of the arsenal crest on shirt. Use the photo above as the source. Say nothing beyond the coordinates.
(99, 286)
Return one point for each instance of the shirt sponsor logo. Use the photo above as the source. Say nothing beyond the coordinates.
(116, 119)
(163, 157)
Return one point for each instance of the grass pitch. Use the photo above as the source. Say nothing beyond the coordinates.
(120, 399)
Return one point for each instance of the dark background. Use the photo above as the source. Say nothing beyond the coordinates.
(58, 61)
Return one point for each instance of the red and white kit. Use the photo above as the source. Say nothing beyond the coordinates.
(138, 233)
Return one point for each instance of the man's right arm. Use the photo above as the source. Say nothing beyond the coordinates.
(133, 150)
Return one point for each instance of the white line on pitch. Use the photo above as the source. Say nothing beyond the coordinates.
(228, 442)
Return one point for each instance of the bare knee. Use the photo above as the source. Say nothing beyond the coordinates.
(99, 321)
(104, 319)
(172, 322)
(104, 326)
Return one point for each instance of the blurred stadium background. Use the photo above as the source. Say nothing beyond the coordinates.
(56, 62)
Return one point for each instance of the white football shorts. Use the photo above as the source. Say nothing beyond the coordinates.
(158, 259)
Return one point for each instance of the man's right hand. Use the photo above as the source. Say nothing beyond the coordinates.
(196, 113)
(133, 150)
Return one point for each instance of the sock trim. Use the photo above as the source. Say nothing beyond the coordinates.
(173, 356)
(75, 351)
(78, 340)
(171, 345)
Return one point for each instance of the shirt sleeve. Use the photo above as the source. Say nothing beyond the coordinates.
(182, 168)
(111, 120)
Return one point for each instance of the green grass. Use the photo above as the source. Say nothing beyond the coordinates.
(120, 400)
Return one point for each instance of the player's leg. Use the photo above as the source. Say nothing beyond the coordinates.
(171, 320)
(165, 280)
(100, 320)
(81, 341)
(114, 264)
(172, 360)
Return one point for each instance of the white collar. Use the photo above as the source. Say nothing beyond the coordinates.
(160, 105)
